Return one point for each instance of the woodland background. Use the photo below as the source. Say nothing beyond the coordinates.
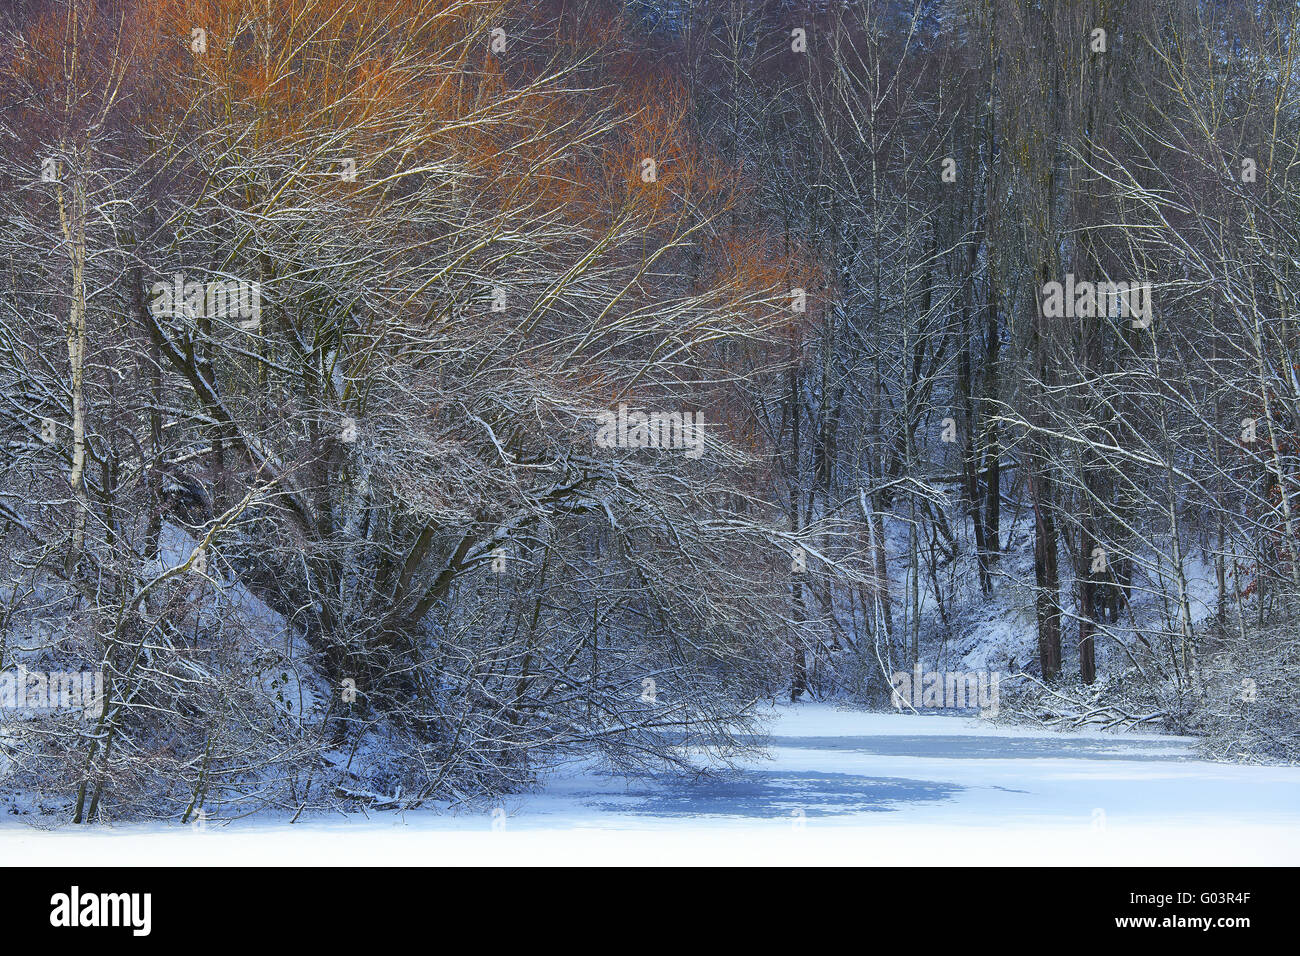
(367, 550)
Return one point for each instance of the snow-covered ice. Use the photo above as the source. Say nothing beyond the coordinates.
(840, 786)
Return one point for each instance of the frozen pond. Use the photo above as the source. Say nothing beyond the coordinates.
(835, 786)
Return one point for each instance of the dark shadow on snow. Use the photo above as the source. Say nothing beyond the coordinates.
(990, 747)
(771, 794)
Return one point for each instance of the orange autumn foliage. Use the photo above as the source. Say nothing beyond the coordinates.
(553, 134)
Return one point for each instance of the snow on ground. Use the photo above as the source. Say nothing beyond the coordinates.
(842, 787)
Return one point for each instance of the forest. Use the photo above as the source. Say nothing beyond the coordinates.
(401, 399)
